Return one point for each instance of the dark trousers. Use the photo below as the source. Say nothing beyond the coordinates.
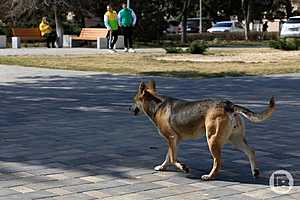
(127, 32)
(51, 38)
(112, 37)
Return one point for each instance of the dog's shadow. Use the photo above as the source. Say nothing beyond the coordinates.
(225, 177)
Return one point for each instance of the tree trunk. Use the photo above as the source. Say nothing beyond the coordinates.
(246, 11)
(59, 28)
(186, 6)
(289, 8)
(12, 15)
(248, 20)
(184, 34)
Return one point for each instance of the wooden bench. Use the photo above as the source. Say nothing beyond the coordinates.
(26, 34)
(91, 34)
(95, 34)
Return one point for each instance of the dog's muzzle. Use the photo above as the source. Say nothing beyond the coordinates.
(134, 109)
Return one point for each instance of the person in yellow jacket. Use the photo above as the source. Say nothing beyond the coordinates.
(111, 24)
(47, 32)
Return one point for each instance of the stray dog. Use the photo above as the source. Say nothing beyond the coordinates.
(219, 120)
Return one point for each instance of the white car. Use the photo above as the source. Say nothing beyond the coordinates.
(172, 26)
(226, 26)
(291, 28)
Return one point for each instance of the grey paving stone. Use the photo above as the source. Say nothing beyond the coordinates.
(132, 188)
(285, 197)
(5, 192)
(189, 196)
(168, 191)
(74, 181)
(236, 197)
(11, 183)
(46, 185)
(38, 195)
(94, 186)
(295, 195)
(221, 192)
(15, 197)
(76, 196)
(262, 194)
(47, 171)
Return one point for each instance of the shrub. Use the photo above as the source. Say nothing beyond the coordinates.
(286, 44)
(296, 41)
(198, 47)
(174, 50)
(71, 28)
(229, 36)
(276, 44)
(3, 30)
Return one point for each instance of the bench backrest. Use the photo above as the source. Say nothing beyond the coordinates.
(27, 33)
(93, 33)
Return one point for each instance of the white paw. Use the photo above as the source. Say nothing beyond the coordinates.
(159, 168)
(206, 178)
(182, 167)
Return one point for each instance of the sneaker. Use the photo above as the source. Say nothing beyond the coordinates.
(125, 50)
(131, 50)
(112, 51)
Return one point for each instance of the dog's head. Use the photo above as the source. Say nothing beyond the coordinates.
(144, 91)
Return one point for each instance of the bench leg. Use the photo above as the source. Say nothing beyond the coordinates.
(101, 43)
(3, 39)
(16, 42)
(98, 43)
(120, 42)
(70, 42)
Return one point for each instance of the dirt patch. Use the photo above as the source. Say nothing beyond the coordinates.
(264, 55)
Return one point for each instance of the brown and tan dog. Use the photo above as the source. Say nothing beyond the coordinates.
(219, 120)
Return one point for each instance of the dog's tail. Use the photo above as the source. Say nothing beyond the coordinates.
(256, 117)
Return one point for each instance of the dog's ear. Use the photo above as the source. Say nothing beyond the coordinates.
(151, 85)
(142, 87)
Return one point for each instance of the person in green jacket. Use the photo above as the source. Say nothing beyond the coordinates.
(127, 20)
(111, 23)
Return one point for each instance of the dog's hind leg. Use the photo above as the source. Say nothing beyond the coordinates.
(215, 149)
(237, 139)
(240, 143)
(216, 133)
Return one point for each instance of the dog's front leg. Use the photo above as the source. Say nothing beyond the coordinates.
(164, 165)
(171, 157)
(173, 141)
(179, 165)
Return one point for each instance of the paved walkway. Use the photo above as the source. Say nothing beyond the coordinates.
(70, 51)
(69, 135)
